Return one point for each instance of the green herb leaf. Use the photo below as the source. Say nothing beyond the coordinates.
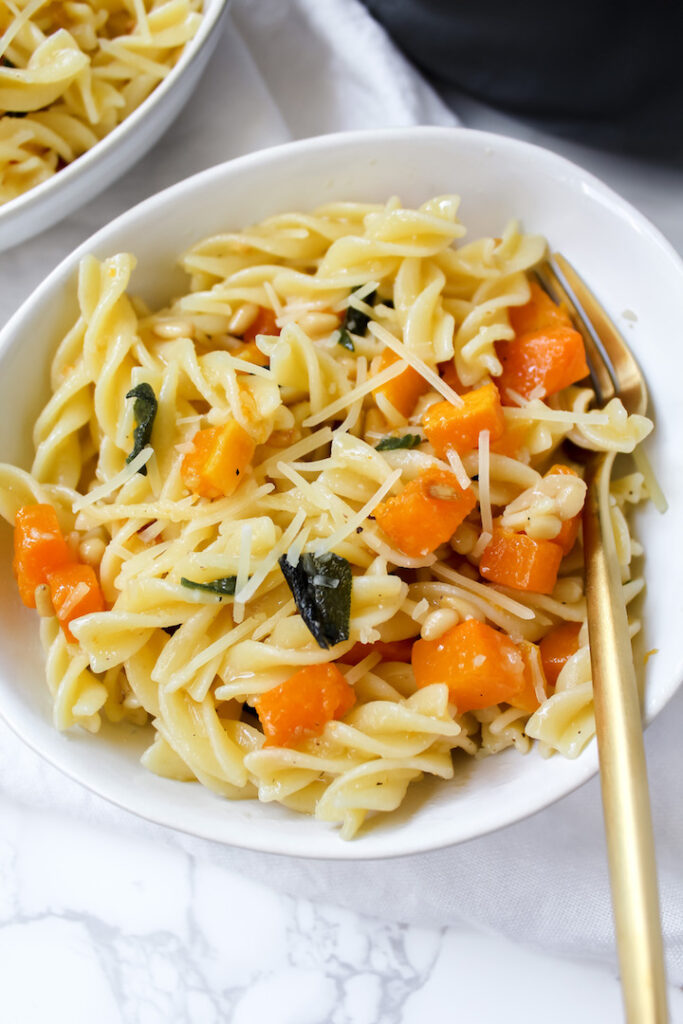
(355, 322)
(144, 410)
(345, 340)
(321, 586)
(391, 444)
(225, 586)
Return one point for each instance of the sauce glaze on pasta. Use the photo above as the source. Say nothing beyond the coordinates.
(71, 72)
(194, 663)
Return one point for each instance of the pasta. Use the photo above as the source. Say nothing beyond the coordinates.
(312, 521)
(70, 72)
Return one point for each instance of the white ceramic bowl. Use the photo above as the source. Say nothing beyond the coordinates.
(631, 267)
(78, 182)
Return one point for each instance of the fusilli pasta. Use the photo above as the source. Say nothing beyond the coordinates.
(307, 523)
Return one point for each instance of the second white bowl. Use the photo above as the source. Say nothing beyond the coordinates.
(78, 182)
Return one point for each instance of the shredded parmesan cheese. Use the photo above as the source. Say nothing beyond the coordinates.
(417, 364)
(459, 471)
(107, 488)
(298, 449)
(359, 391)
(485, 483)
(274, 300)
(359, 518)
(542, 413)
(483, 542)
(243, 566)
(269, 625)
(217, 648)
(295, 550)
(651, 483)
(355, 409)
(73, 600)
(360, 293)
(271, 560)
(488, 593)
(356, 673)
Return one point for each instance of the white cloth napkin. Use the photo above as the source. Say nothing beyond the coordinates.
(291, 68)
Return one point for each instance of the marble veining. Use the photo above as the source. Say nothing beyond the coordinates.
(113, 928)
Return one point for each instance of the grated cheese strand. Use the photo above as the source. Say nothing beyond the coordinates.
(105, 489)
(269, 625)
(542, 413)
(356, 673)
(651, 482)
(360, 293)
(271, 560)
(298, 449)
(359, 391)
(274, 300)
(359, 518)
(485, 482)
(456, 465)
(218, 647)
(243, 566)
(484, 540)
(77, 594)
(355, 409)
(401, 350)
(447, 575)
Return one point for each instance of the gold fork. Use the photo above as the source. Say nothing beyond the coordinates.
(623, 773)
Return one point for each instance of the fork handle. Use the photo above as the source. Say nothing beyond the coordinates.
(623, 773)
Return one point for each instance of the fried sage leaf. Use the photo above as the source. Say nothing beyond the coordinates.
(144, 410)
(321, 586)
(225, 586)
(391, 444)
(355, 322)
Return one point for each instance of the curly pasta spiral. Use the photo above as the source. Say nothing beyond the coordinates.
(288, 336)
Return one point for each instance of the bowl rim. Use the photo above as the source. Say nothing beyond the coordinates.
(586, 765)
(98, 153)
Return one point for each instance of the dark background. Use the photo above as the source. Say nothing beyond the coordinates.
(605, 72)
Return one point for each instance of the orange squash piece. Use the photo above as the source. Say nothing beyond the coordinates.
(218, 459)
(449, 375)
(393, 650)
(550, 358)
(251, 353)
(193, 462)
(521, 562)
(263, 324)
(39, 549)
(480, 665)
(540, 311)
(451, 426)
(512, 440)
(426, 513)
(557, 647)
(527, 698)
(302, 706)
(404, 390)
(75, 591)
(569, 530)
(228, 458)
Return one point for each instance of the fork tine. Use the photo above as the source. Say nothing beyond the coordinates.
(602, 372)
(630, 383)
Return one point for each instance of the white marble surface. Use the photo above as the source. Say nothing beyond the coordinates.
(99, 927)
